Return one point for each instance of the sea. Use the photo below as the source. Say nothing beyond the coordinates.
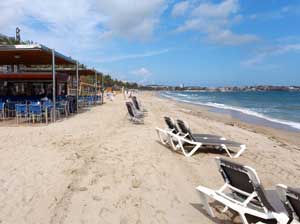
(277, 109)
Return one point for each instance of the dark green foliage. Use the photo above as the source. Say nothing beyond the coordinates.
(5, 40)
(117, 84)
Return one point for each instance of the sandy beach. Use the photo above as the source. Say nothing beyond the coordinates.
(97, 167)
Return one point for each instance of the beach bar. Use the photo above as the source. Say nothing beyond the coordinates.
(35, 73)
(89, 91)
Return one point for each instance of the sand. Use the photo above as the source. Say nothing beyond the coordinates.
(97, 167)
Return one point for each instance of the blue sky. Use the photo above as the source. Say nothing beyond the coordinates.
(195, 42)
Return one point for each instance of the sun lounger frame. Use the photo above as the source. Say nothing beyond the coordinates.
(180, 140)
(168, 133)
(241, 207)
(132, 116)
(177, 141)
(284, 193)
(138, 105)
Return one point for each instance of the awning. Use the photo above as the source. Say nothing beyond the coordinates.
(31, 55)
(69, 71)
(32, 76)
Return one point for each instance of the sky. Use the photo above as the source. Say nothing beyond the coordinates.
(171, 42)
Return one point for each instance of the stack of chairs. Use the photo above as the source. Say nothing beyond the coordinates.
(98, 99)
(87, 101)
(81, 102)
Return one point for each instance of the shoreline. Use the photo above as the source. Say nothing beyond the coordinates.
(245, 115)
(282, 133)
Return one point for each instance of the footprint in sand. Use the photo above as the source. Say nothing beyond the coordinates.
(123, 220)
(96, 198)
(103, 211)
(105, 188)
(75, 188)
(175, 200)
(160, 217)
(96, 178)
(136, 182)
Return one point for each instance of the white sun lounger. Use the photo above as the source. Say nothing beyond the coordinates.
(173, 128)
(138, 105)
(190, 147)
(185, 130)
(164, 134)
(133, 116)
(291, 198)
(243, 193)
(189, 144)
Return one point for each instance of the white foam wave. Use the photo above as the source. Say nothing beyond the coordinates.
(241, 110)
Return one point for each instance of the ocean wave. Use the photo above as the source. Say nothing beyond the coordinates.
(253, 113)
(238, 109)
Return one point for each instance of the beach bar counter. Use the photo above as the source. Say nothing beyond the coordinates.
(32, 88)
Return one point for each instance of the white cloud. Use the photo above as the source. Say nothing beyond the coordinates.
(180, 8)
(133, 56)
(229, 38)
(131, 18)
(215, 20)
(75, 26)
(264, 54)
(277, 14)
(143, 74)
(221, 10)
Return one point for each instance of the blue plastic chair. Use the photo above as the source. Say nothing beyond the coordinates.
(2, 110)
(21, 111)
(88, 100)
(81, 101)
(62, 107)
(47, 105)
(10, 107)
(35, 111)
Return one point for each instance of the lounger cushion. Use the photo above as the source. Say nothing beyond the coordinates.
(195, 137)
(136, 104)
(129, 108)
(171, 124)
(244, 179)
(185, 129)
(216, 142)
(274, 199)
(293, 195)
(295, 191)
(239, 180)
(206, 136)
